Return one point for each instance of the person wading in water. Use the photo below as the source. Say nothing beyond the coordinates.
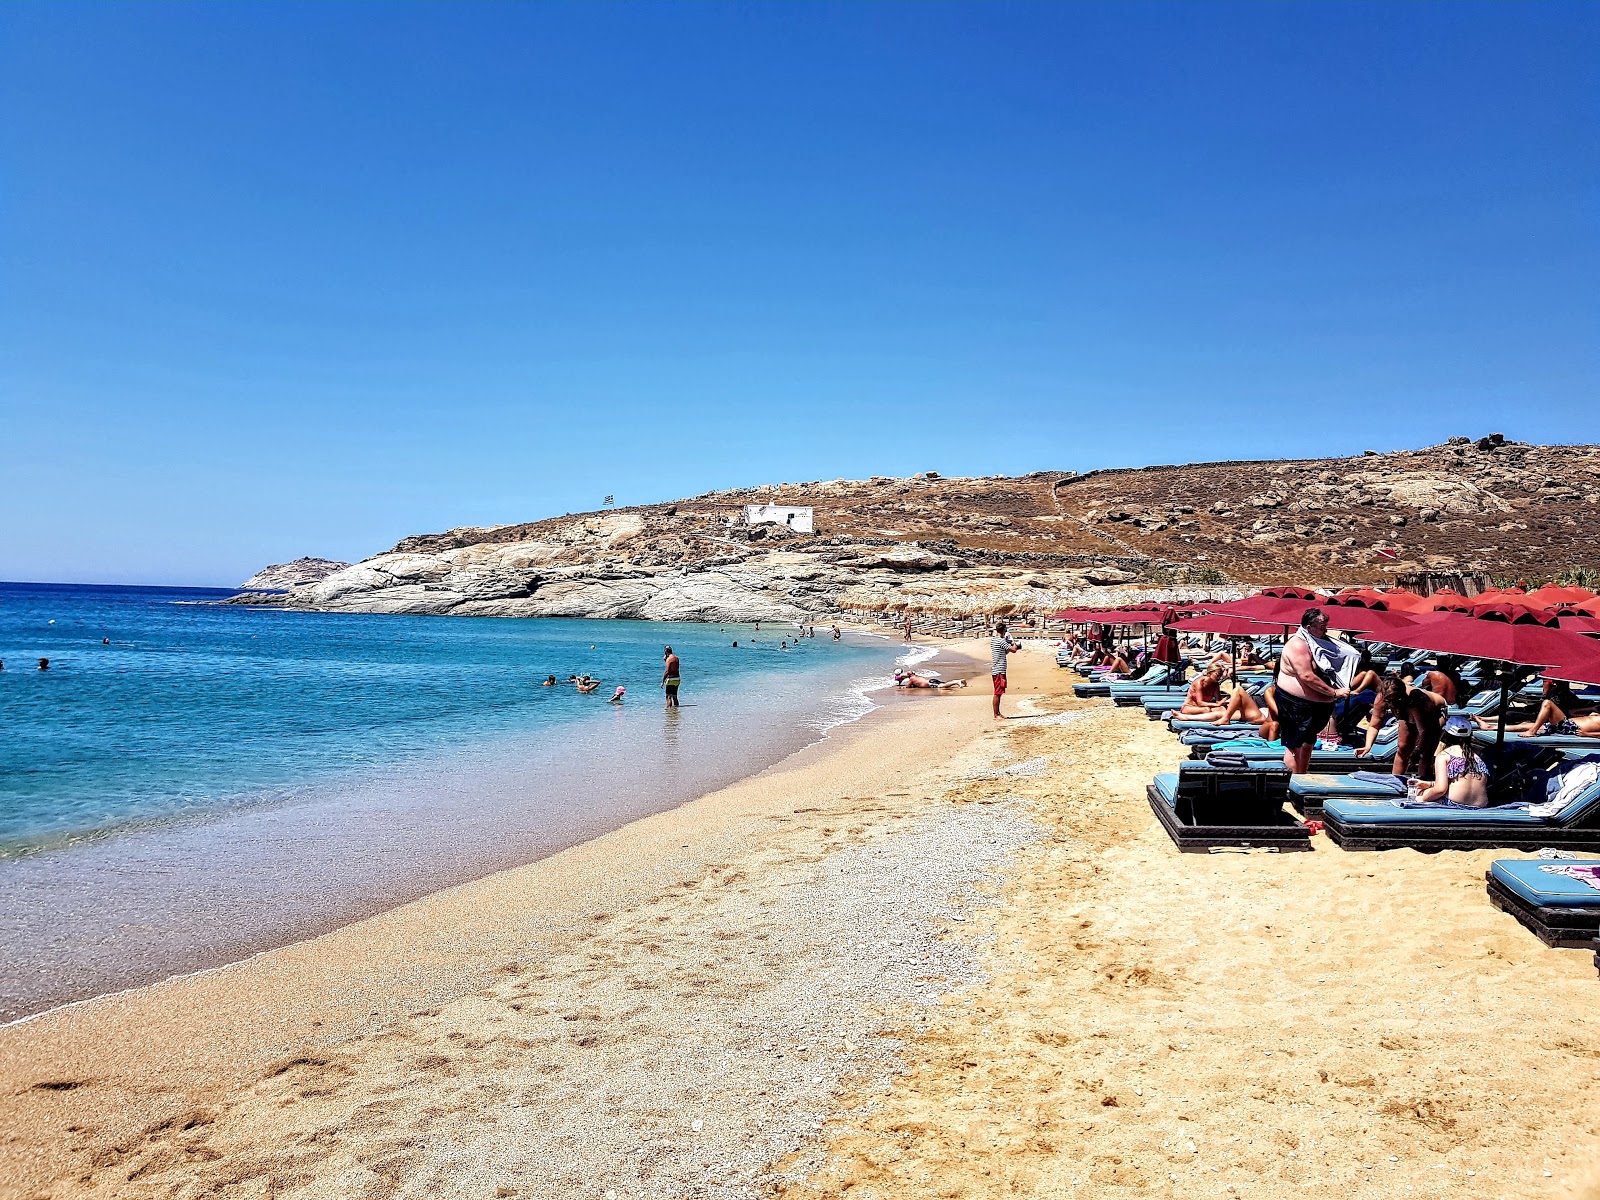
(669, 676)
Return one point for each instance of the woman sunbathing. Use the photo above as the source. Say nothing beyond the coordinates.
(1459, 775)
(1243, 709)
(1205, 693)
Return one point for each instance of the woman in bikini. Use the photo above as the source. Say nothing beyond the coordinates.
(1420, 714)
(1205, 693)
(1459, 775)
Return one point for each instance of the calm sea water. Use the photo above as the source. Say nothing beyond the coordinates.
(189, 782)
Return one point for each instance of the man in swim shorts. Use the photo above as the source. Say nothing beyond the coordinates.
(999, 646)
(669, 676)
(1305, 695)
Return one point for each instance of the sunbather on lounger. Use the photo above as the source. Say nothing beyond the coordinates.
(1205, 693)
(1436, 681)
(1459, 775)
(1242, 707)
(1559, 708)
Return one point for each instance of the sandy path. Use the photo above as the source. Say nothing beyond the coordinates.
(1324, 1024)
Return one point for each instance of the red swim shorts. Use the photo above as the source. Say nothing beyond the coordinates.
(999, 684)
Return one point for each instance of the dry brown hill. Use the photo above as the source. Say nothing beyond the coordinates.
(1485, 505)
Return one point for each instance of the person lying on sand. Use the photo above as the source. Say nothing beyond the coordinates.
(910, 679)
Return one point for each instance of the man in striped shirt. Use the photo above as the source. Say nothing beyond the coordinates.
(999, 646)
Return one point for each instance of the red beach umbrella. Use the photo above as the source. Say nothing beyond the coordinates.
(1408, 602)
(1578, 671)
(1552, 594)
(1367, 620)
(1500, 641)
(1578, 608)
(1293, 593)
(1271, 609)
(1453, 606)
(1581, 624)
(1359, 598)
(1226, 625)
(1512, 613)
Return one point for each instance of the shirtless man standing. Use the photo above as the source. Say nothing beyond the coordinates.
(669, 676)
(1305, 699)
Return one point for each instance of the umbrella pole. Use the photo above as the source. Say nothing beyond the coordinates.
(1233, 660)
(1500, 723)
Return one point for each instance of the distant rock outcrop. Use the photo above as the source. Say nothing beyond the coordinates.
(962, 545)
(280, 577)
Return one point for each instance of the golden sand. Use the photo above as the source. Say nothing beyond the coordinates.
(1151, 1023)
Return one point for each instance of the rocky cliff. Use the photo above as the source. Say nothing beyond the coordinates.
(282, 576)
(961, 545)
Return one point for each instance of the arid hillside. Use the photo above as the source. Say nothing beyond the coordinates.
(956, 545)
(1489, 505)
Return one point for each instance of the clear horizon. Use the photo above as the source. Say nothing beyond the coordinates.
(303, 280)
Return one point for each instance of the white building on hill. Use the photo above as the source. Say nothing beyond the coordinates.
(797, 519)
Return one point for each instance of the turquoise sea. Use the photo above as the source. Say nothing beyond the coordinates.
(189, 782)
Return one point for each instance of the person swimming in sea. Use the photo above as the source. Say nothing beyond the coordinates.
(587, 685)
(44, 664)
(550, 682)
(616, 696)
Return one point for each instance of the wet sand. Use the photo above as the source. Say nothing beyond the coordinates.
(932, 956)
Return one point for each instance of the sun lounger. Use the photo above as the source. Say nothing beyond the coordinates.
(1341, 760)
(1172, 698)
(1561, 910)
(1577, 742)
(1308, 792)
(1361, 822)
(1201, 808)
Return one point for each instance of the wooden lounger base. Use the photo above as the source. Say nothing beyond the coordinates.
(1432, 837)
(1574, 928)
(1201, 839)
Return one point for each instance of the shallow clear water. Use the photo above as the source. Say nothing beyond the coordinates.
(195, 707)
(220, 779)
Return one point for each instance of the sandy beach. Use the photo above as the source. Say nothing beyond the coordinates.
(933, 955)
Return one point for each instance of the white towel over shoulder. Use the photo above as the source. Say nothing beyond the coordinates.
(1335, 660)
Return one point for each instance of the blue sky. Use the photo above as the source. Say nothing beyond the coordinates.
(284, 279)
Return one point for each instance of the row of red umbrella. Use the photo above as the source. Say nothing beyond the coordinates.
(1540, 628)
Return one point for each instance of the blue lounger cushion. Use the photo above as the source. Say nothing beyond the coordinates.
(1166, 786)
(1524, 879)
(1323, 786)
(1383, 810)
(1255, 747)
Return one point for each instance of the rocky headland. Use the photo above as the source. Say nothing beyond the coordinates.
(282, 576)
(961, 545)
